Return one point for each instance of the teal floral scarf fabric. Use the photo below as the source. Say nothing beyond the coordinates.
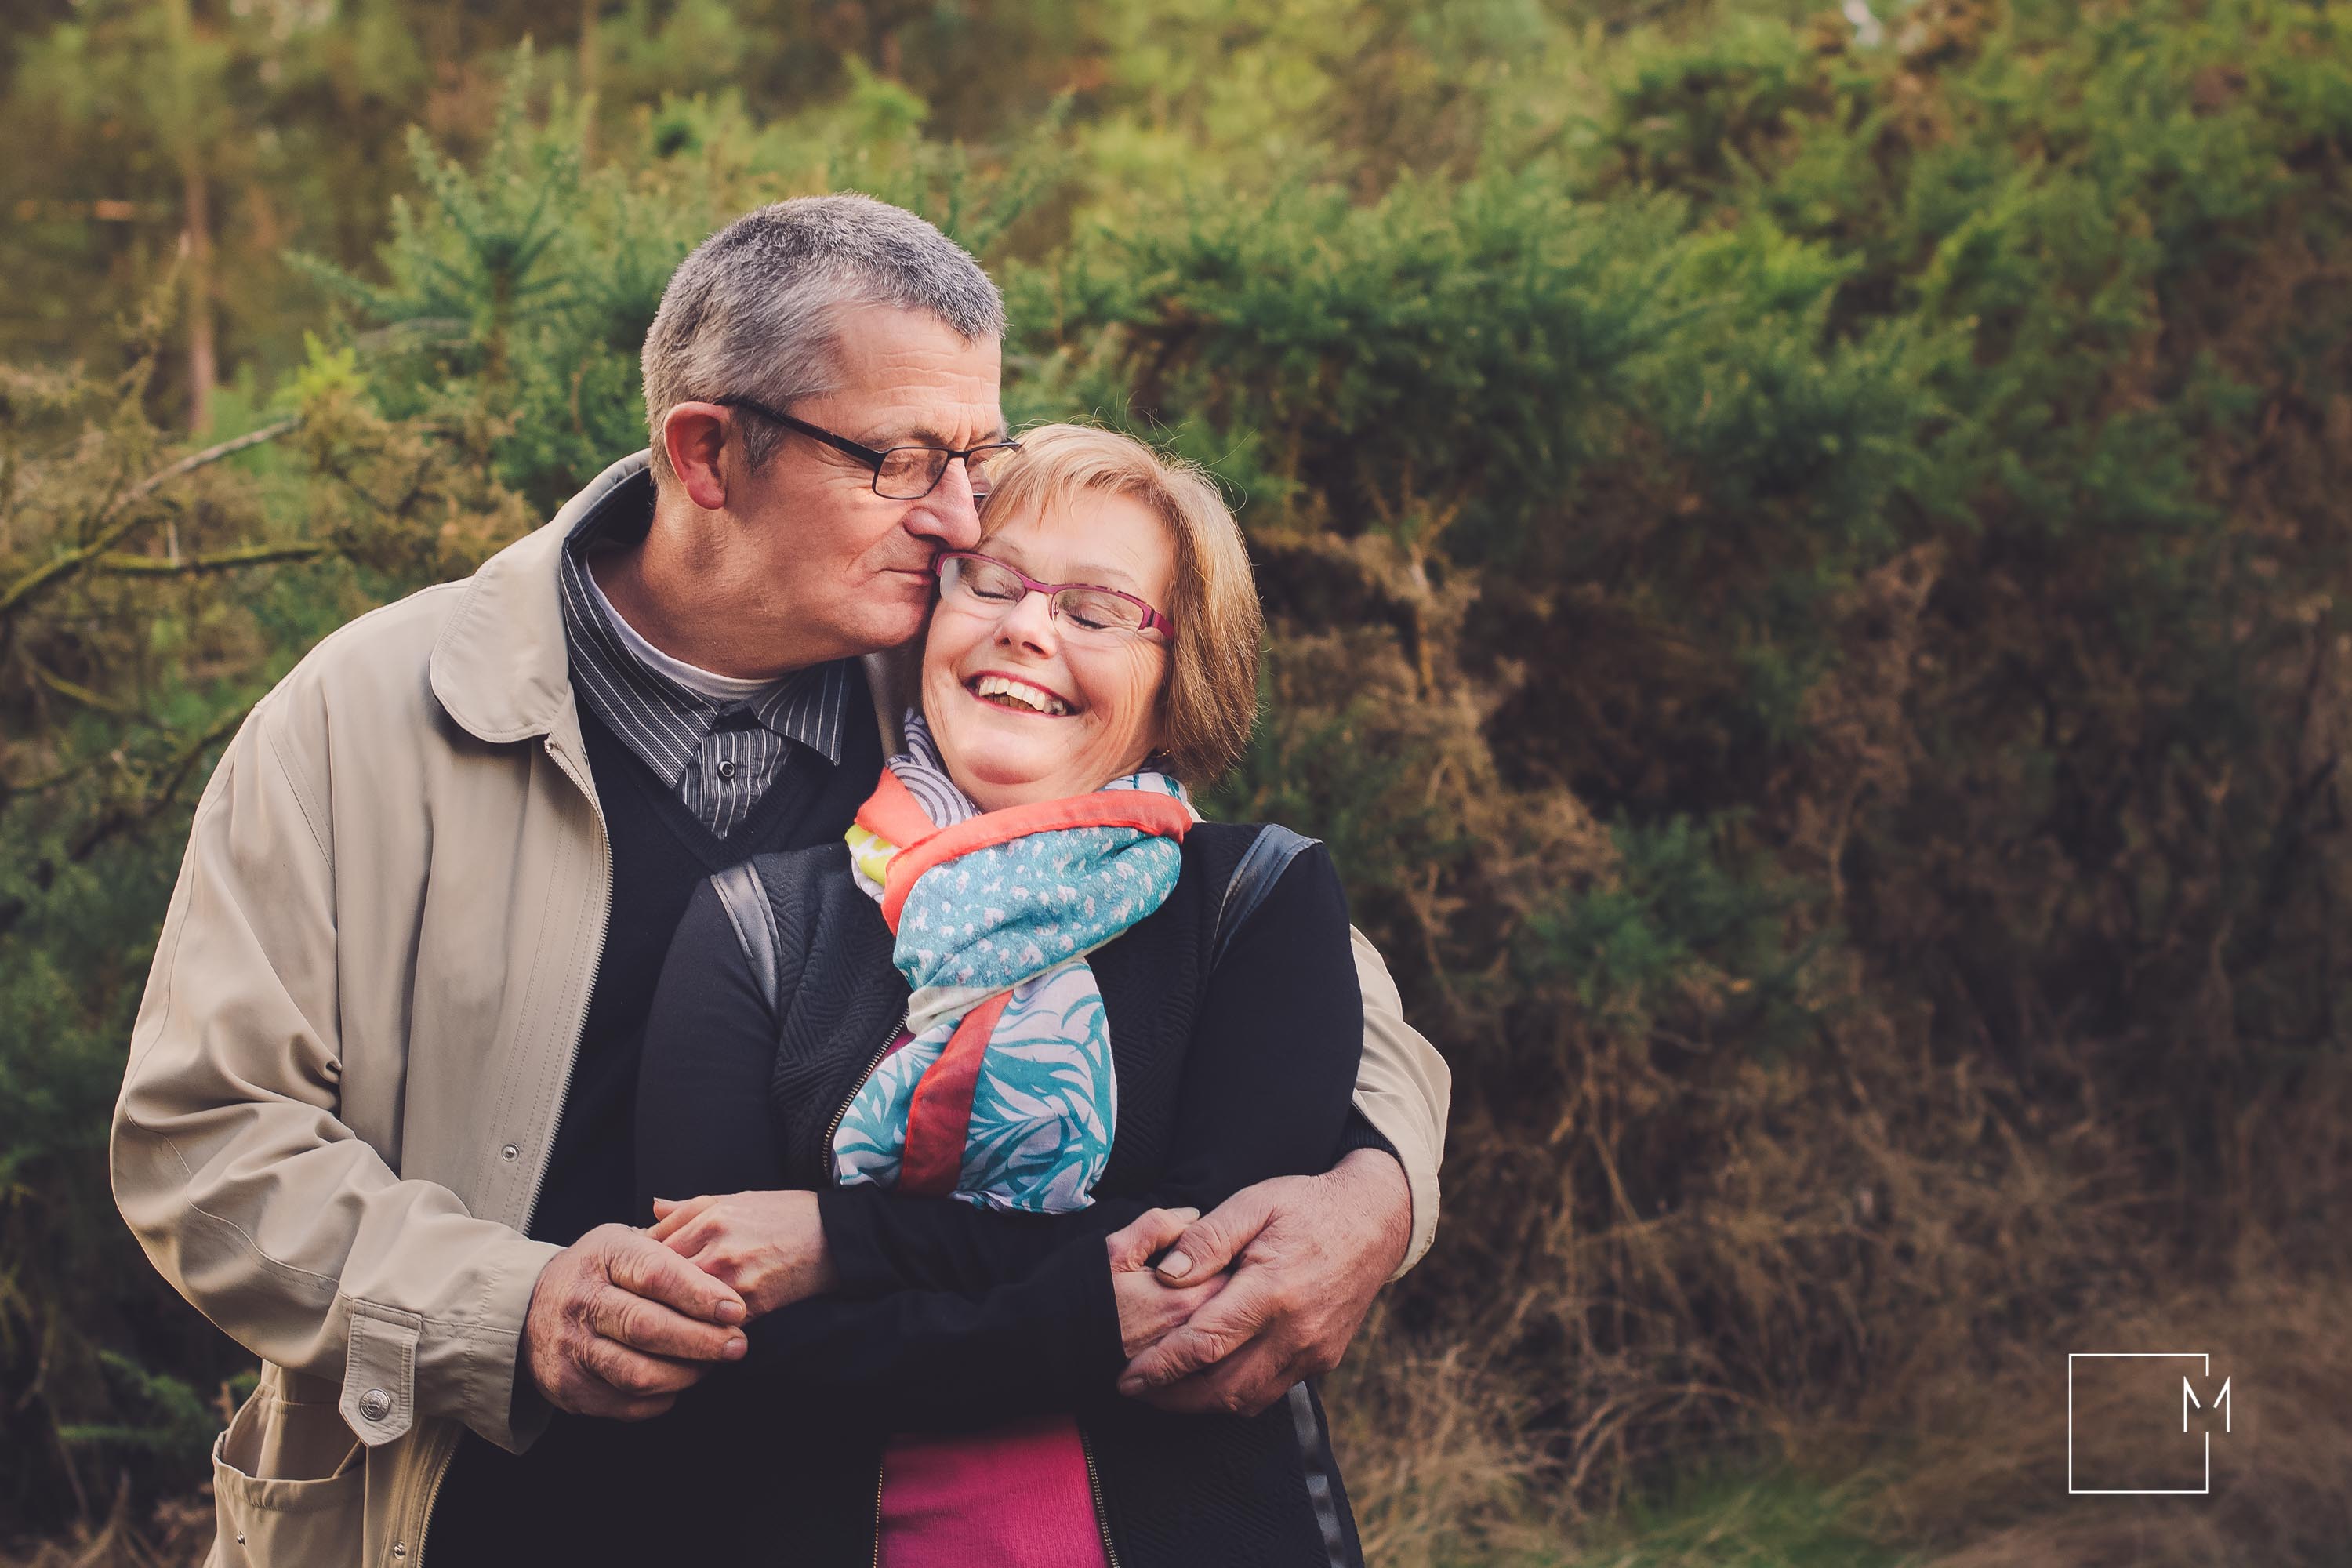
(994, 914)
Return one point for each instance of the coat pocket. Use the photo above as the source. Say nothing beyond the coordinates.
(289, 1484)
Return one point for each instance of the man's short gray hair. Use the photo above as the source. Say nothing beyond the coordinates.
(754, 312)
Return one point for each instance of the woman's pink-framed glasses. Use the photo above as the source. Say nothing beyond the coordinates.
(986, 582)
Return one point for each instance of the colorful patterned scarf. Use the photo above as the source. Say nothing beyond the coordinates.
(1005, 1095)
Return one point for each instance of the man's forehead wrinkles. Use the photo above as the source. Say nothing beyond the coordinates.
(931, 436)
(904, 427)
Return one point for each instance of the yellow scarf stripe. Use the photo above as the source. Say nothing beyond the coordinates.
(870, 852)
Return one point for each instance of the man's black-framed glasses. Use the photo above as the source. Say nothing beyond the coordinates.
(900, 473)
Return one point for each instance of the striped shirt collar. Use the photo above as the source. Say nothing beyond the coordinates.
(662, 722)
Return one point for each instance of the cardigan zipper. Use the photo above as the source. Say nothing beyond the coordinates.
(827, 1172)
(880, 1475)
(1094, 1484)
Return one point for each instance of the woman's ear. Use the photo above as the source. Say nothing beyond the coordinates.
(1159, 756)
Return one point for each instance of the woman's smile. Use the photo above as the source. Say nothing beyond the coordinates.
(1013, 695)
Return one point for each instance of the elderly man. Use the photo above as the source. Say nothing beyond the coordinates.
(377, 1119)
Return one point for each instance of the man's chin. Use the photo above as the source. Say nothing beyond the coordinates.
(887, 630)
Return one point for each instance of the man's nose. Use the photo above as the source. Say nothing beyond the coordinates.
(951, 513)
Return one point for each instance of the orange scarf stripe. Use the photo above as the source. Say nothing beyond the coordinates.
(891, 802)
(938, 1118)
(893, 813)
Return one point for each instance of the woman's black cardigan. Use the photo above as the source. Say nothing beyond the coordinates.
(953, 1317)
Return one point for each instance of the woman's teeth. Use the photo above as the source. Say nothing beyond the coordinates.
(1019, 693)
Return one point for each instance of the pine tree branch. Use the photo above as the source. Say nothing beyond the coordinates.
(77, 692)
(11, 788)
(195, 460)
(113, 524)
(130, 814)
(217, 561)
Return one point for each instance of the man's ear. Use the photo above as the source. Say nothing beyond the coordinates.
(694, 435)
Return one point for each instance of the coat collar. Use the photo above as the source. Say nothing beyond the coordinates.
(501, 668)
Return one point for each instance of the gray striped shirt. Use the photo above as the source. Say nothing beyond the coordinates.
(721, 757)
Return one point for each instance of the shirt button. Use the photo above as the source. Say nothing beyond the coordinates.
(727, 770)
(375, 1404)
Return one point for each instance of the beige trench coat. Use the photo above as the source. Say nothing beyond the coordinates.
(346, 1072)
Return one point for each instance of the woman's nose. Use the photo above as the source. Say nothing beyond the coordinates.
(1031, 622)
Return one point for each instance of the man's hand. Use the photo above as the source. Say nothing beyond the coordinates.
(1308, 1253)
(769, 1245)
(1149, 1306)
(618, 1324)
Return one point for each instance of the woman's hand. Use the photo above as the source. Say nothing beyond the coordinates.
(770, 1246)
(1149, 1306)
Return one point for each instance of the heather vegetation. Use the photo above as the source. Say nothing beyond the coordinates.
(1810, 594)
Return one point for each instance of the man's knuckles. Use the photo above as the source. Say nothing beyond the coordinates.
(1251, 1384)
(643, 1267)
(634, 1264)
(1281, 1300)
(1227, 1399)
(1188, 1349)
(601, 1359)
(618, 1315)
(648, 1326)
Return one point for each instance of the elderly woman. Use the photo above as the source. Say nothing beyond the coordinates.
(1030, 1001)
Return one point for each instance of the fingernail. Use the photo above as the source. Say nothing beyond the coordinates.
(1187, 1216)
(731, 1311)
(735, 1348)
(1130, 1387)
(1175, 1266)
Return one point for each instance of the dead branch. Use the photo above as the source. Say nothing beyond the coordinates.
(117, 518)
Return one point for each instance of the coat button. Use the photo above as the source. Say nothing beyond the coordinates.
(400, 1549)
(509, 1153)
(375, 1404)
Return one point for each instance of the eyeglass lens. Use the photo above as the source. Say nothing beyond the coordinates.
(1082, 609)
(910, 473)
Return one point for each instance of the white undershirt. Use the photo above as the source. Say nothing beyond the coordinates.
(703, 683)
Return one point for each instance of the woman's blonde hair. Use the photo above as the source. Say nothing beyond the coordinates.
(1208, 705)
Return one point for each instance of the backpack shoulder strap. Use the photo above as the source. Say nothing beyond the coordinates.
(1262, 866)
(755, 920)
